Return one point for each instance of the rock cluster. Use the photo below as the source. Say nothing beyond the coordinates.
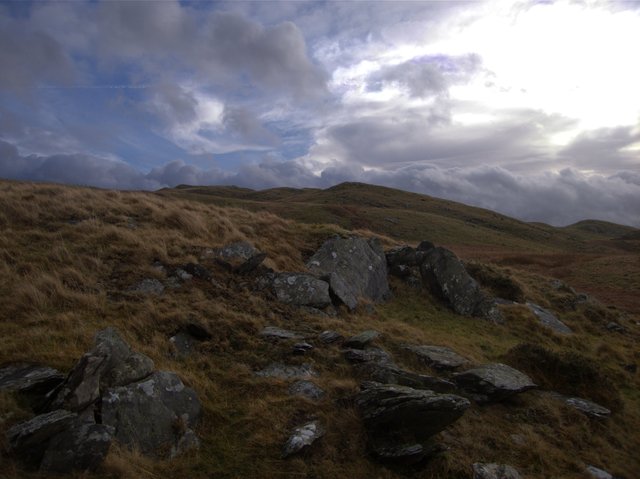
(111, 393)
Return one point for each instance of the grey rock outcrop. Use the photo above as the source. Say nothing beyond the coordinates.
(240, 257)
(548, 319)
(82, 447)
(590, 408)
(368, 355)
(32, 382)
(144, 414)
(361, 340)
(494, 471)
(302, 437)
(306, 389)
(386, 373)
(438, 357)
(284, 371)
(400, 421)
(447, 277)
(354, 267)
(301, 289)
(329, 337)
(493, 382)
(272, 332)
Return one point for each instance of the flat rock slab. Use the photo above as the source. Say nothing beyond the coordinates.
(368, 355)
(361, 340)
(548, 319)
(438, 357)
(329, 336)
(33, 382)
(284, 371)
(301, 289)
(493, 382)
(494, 471)
(144, 414)
(302, 437)
(306, 389)
(391, 374)
(588, 407)
(355, 268)
(272, 332)
(82, 447)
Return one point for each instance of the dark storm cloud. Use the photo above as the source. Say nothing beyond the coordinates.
(428, 75)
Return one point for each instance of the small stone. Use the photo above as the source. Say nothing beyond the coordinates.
(494, 471)
(272, 332)
(438, 357)
(183, 275)
(240, 257)
(301, 348)
(588, 407)
(597, 473)
(328, 337)
(149, 286)
(283, 371)
(616, 327)
(359, 341)
(306, 389)
(184, 343)
(198, 271)
(369, 355)
(302, 437)
(548, 319)
(518, 440)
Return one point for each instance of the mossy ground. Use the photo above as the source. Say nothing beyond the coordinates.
(68, 256)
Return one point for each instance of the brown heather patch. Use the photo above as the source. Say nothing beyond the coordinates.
(68, 255)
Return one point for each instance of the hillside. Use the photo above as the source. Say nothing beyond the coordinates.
(71, 259)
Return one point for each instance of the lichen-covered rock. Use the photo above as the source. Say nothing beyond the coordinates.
(355, 268)
(82, 447)
(30, 439)
(398, 418)
(33, 382)
(438, 357)
(493, 382)
(448, 278)
(548, 319)
(494, 471)
(240, 257)
(301, 289)
(145, 414)
(302, 437)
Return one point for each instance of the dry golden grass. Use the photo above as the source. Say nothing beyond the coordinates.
(68, 256)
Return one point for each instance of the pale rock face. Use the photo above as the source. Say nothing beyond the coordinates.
(302, 437)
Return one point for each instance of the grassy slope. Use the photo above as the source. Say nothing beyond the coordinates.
(67, 256)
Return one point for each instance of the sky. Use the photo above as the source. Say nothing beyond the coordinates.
(528, 108)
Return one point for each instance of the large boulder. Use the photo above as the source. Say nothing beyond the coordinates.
(493, 382)
(31, 381)
(301, 289)
(354, 267)
(447, 277)
(82, 447)
(151, 415)
(400, 421)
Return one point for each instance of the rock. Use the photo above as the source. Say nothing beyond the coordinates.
(198, 271)
(355, 268)
(136, 367)
(301, 348)
(301, 290)
(518, 440)
(149, 286)
(359, 341)
(145, 415)
(306, 389)
(398, 418)
(83, 385)
(391, 374)
(33, 382)
(82, 447)
(615, 327)
(30, 439)
(448, 278)
(406, 454)
(548, 319)
(271, 332)
(369, 355)
(302, 437)
(493, 382)
(283, 371)
(438, 357)
(404, 256)
(240, 257)
(188, 442)
(328, 337)
(425, 246)
(182, 275)
(494, 471)
(588, 407)
(400, 270)
(597, 473)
